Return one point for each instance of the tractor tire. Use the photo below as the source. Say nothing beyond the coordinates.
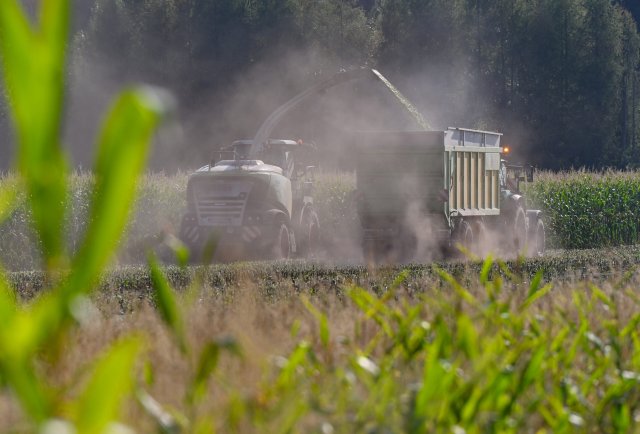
(537, 239)
(281, 248)
(519, 232)
(309, 238)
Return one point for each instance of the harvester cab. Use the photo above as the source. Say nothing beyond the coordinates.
(252, 203)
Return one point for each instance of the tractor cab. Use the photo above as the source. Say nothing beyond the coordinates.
(513, 177)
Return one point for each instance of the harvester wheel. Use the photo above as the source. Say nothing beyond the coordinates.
(282, 243)
(537, 239)
(191, 235)
(519, 235)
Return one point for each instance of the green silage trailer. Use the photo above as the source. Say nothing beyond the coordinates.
(426, 193)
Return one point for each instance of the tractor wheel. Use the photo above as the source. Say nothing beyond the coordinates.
(309, 235)
(281, 248)
(519, 234)
(537, 240)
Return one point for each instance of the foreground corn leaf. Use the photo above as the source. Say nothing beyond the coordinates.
(167, 304)
(208, 363)
(33, 61)
(121, 158)
(112, 381)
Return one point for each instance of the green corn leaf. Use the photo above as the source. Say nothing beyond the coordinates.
(8, 195)
(467, 337)
(167, 304)
(34, 63)
(535, 283)
(600, 295)
(297, 358)
(8, 305)
(166, 422)
(111, 382)
(323, 322)
(631, 326)
(536, 295)
(122, 153)
(460, 290)
(208, 363)
(399, 280)
(372, 307)
(20, 375)
(486, 269)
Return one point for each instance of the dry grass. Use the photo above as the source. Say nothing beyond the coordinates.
(242, 395)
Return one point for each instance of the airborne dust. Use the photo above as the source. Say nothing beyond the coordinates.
(332, 120)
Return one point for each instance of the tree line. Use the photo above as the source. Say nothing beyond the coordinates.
(558, 77)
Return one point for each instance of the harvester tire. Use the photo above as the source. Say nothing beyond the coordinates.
(191, 236)
(519, 234)
(537, 239)
(282, 243)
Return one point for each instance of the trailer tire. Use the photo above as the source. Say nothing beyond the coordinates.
(519, 234)
(480, 239)
(537, 240)
(464, 236)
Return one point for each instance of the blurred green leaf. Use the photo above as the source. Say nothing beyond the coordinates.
(34, 63)
(8, 197)
(111, 382)
(209, 357)
(167, 304)
(121, 157)
(166, 422)
(323, 322)
(535, 294)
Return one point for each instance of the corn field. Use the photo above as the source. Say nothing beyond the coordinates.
(584, 209)
(470, 347)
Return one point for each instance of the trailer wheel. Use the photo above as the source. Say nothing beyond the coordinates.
(464, 235)
(480, 240)
(282, 243)
(537, 239)
(519, 235)
(375, 252)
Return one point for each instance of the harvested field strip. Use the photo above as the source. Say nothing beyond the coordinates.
(281, 279)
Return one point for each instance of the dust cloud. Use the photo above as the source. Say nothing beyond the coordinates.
(333, 120)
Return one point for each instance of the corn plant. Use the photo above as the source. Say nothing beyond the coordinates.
(33, 60)
(586, 210)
